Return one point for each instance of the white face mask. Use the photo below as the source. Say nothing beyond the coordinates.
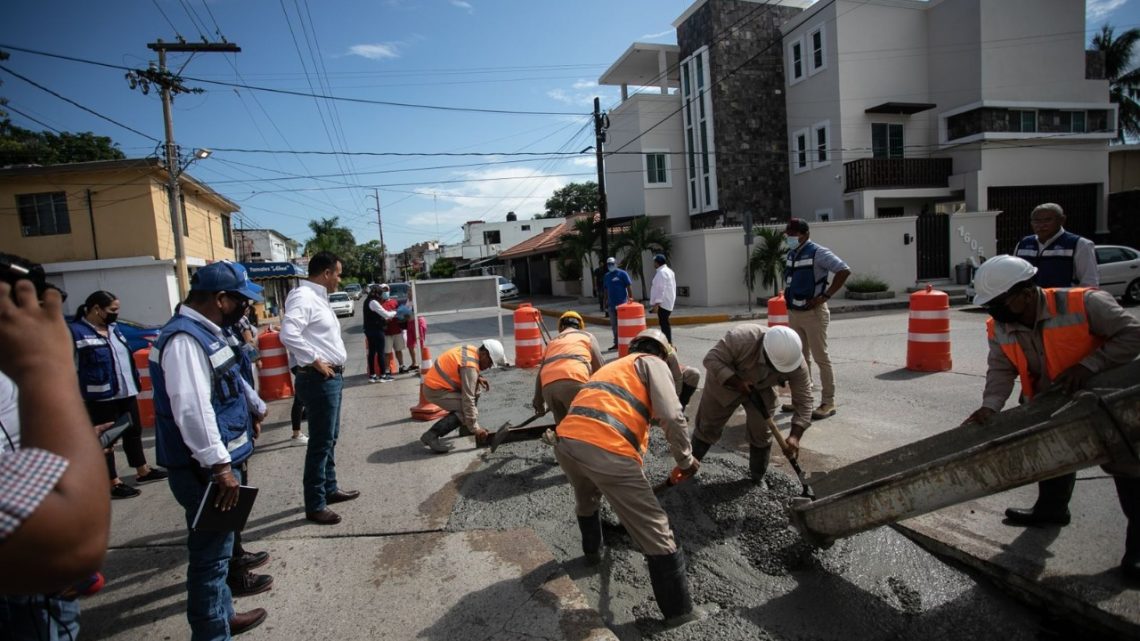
(793, 242)
(612, 268)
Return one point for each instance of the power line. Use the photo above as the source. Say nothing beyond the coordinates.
(9, 107)
(167, 18)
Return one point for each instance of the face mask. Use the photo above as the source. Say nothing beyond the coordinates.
(1002, 314)
(793, 242)
(385, 296)
(611, 268)
(110, 318)
(233, 317)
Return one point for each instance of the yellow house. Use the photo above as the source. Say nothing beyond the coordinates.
(108, 209)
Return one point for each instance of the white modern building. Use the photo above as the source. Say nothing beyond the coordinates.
(483, 239)
(264, 246)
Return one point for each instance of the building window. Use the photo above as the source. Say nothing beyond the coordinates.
(700, 150)
(886, 140)
(800, 153)
(1078, 122)
(1023, 121)
(227, 232)
(795, 61)
(816, 41)
(657, 169)
(822, 142)
(43, 214)
(491, 237)
(823, 215)
(526, 227)
(1002, 120)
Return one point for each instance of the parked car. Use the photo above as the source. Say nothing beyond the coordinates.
(342, 304)
(507, 289)
(1117, 268)
(354, 290)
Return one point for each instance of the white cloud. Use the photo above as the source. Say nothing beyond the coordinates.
(377, 51)
(654, 36)
(489, 195)
(1097, 10)
(585, 84)
(463, 4)
(590, 161)
(581, 92)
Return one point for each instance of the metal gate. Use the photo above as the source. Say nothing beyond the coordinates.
(933, 246)
(1016, 203)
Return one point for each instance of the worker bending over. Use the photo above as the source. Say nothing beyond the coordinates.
(453, 383)
(570, 359)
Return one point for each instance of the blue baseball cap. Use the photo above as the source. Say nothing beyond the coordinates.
(226, 276)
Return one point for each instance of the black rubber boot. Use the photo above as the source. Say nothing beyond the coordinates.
(442, 427)
(700, 448)
(1128, 491)
(758, 462)
(592, 542)
(1052, 506)
(671, 588)
(687, 392)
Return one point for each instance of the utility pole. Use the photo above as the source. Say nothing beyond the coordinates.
(383, 249)
(601, 123)
(169, 85)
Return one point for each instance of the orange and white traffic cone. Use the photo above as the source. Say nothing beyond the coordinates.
(425, 411)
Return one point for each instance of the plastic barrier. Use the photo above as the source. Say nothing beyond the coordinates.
(777, 311)
(928, 336)
(146, 391)
(528, 338)
(631, 322)
(273, 378)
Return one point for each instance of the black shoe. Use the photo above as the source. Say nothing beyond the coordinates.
(612, 347)
(247, 561)
(1018, 516)
(246, 621)
(402, 370)
(155, 474)
(124, 491)
(324, 517)
(247, 583)
(340, 496)
(1130, 568)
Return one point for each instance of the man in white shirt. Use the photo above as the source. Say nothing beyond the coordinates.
(310, 332)
(663, 295)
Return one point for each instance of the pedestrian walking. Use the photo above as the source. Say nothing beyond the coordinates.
(109, 384)
(1062, 258)
(751, 358)
(618, 288)
(663, 295)
(570, 359)
(807, 291)
(600, 447)
(205, 423)
(1054, 337)
(454, 383)
(310, 332)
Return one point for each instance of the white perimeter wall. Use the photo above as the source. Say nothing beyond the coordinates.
(146, 287)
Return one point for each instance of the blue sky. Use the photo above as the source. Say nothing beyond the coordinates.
(511, 55)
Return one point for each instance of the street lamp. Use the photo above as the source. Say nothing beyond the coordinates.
(176, 164)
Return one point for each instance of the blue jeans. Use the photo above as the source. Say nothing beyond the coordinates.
(321, 398)
(38, 618)
(613, 322)
(209, 604)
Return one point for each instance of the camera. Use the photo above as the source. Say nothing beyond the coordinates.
(14, 268)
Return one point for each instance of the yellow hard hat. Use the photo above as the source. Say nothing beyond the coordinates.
(571, 319)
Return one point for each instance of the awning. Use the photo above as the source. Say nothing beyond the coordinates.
(900, 108)
(270, 271)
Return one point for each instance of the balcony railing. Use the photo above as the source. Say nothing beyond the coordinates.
(896, 173)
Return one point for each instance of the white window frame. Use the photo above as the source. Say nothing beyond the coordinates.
(792, 77)
(664, 153)
(825, 127)
(798, 151)
(700, 139)
(812, 68)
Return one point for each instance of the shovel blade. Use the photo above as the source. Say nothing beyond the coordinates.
(500, 436)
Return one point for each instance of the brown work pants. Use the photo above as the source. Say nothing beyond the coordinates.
(594, 473)
(811, 325)
(718, 403)
(448, 400)
(558, 395)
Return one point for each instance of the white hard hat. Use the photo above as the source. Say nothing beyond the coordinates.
(784, 349)
(998, 275)
(495, 349)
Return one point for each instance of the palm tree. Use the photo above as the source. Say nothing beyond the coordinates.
(582, 242)
(767, 257)
(1123, 78)
(641, 237)
(328, 235)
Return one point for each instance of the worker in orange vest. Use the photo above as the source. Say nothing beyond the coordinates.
(570, 359)
(453, 383)
(600, 446)
(1054, 338)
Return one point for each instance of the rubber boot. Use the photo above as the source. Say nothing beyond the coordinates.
(1052, 506)
(687, 392)
(758, 462)
(441, 428)
(700, 448)
(1128, 491)
(671, 588)
(592, 542)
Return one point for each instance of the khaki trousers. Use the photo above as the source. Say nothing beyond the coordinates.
(448, 400)
(718, 403)
(594, 473)
(558, 395)
(811, 325)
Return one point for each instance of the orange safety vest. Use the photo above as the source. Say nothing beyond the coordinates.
(567, 357)
(1066, 336)
(444, 374)
(612, 411)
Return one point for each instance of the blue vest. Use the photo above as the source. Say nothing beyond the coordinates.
(799, 277)
(244, 351)
(96, 361)
(227, 399)
(1054, 264)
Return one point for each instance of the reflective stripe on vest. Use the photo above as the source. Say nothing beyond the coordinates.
(1065, 336)
(567, 358)
(445, 375)
(1055, 265)
(612, 411)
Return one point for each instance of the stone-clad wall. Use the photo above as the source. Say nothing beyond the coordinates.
(749, 119)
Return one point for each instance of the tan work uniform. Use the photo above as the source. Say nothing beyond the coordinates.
(440, 391)
(559, 390)
(599, 461)
(740, 353)
(682, 374)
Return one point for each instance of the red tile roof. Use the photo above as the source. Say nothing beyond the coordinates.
(547, 242)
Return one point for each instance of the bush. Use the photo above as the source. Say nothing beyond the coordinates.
(866, 285)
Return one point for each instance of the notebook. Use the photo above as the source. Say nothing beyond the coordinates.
(106, 439)
(212, 519)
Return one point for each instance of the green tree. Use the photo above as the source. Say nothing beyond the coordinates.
(328, 235)
(641, 237)
(582, 242)
(23, 146)
(572, 199)
(1123, 78)
(767, 259)
(443, 268)
(364, 262)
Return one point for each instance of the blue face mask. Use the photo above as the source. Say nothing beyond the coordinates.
(385, 296)
(612, 268)
(793, 242)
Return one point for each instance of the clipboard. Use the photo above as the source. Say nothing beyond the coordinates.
(212, 519)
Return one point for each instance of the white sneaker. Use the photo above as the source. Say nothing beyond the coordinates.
(373, 379)
(300, 439)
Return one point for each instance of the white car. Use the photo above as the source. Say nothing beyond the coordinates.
(1119, 270)
(507, 289)
(342, 304)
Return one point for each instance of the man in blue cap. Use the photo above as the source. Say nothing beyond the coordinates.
(206, 417)
(663, 294)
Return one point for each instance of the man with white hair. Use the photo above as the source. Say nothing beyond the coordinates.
(1062, 258)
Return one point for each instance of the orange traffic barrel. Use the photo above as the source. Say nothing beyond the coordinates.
(425, 411)
(777, 311)
(273, 378)
(928, 337)
(631, 322)
(146, 391)
(528, 337)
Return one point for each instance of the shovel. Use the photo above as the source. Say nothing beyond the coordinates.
(505, 431)
(754, 396)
